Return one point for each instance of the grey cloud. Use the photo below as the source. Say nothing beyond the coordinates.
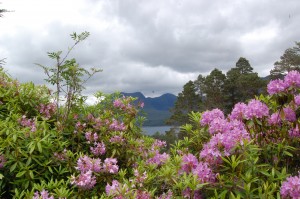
(159, 45)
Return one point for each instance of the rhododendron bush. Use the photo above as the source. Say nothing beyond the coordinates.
(98, 151)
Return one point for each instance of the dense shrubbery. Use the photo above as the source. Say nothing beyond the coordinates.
(98, 151)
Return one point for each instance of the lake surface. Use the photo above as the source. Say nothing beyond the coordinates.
(151, 130)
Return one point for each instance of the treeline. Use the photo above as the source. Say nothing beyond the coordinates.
(217, 90)
(223, 91)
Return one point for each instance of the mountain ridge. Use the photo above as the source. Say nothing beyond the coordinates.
(157, 109)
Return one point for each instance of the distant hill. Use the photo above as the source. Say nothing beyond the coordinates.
(156, 108)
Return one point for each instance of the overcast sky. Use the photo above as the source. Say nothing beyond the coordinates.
(152, 46)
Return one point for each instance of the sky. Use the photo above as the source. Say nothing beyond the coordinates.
(151, 46)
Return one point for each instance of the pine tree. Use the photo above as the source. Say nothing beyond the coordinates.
(290, 60)
(188, 100)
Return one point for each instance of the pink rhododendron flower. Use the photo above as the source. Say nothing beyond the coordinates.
(110, 165)
(289, 114)
(292, 78)
(116, 126)
(189, 162)
(297, 100)
(218, 125)
(47, 110)
(91, 137)
(169, 195)
(27, 123)
(98, 149)
(86, 163)
(294, 132)
(158, 158)
(85, 180)
(116, 139)
(274, 119)
(140, 178)
(142, 195)
(256, 109)
(204, 173)
(187, 193)
(291, 188)
(209, 116)
(113, 188)
(44, 195)
(221, 144)
(238, 111)
(158, 144)
(276, 86)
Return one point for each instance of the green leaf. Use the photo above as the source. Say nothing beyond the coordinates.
(20, 174)
(13, 167)
(31, 174)
(40, 147)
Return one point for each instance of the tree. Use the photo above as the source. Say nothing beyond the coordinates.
(243, 66)
(290, 60)
(187, 101)
(213, 87)
(67, 76)
(241, 84)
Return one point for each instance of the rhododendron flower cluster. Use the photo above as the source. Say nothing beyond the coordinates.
(116, 139)
(275, 119)
(98, 149)
(295, 132)
(61, 156)
(158, 144)
(200, 169)
(256, 109)
(297, 100)
(289, 114)
(47, 110)
(91, 137)
(86, 163)
(169, 195)
(113, 188)
(158, 158)
(155, 157)
(291, 188)
(87, 166)
(292, 79)
(188, 193)
(85, 180)
(140, 178)
(110, 165)
(209, 116)
(27, 123)
(189, 162)
(228, 135)
(125, 104)
(43, 195)
(117, 126)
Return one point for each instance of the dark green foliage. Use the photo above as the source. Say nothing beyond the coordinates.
(218, 90)
(214, 89)
(188, 100)
(241, 84)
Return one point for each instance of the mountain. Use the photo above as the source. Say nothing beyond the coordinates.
(157, 108)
